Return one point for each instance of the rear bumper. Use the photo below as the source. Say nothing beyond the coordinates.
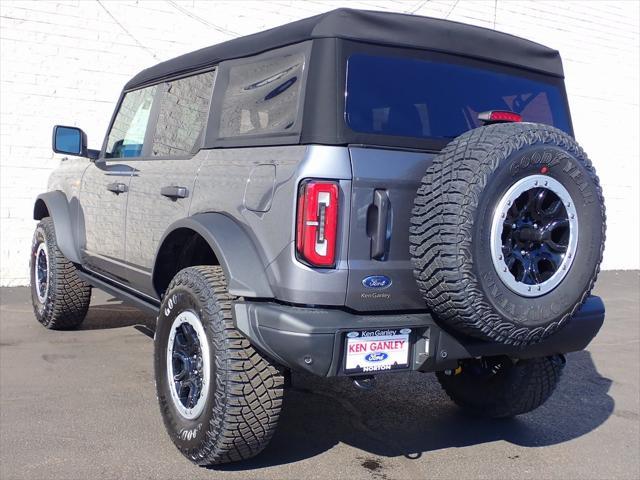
(312, 339)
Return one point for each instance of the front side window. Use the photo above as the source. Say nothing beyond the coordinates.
(426, 99)
(126, 138)
(262, 97)
(183, 115)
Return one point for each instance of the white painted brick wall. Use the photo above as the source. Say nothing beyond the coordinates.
(65, 62)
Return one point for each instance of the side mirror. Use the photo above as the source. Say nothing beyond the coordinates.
(72, 141)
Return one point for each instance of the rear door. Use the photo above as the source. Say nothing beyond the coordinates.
(163, 181)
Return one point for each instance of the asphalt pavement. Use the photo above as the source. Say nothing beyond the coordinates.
(81, 405)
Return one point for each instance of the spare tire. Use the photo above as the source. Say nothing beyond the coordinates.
(507, 232)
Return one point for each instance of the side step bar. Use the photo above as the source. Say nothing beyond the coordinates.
(120, 292)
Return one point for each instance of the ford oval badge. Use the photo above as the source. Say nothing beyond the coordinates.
(376, 357)
(376, 281)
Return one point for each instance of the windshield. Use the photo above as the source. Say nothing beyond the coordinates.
(418, 98)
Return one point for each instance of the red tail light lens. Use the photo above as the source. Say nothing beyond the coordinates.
(499, 116)
(317, 223)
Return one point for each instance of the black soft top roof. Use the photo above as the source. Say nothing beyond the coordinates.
(382, 28)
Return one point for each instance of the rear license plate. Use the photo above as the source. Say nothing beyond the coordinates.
(379, 350)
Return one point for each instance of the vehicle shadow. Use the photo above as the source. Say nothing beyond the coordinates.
(111, 313)
(409, 415)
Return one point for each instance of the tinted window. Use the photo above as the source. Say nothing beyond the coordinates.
(418, 98)
(126, 137)
(183, 115)
(262, 97)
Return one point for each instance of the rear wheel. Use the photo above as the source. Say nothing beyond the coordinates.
(499, 387)
(60, 298)
(220, 399)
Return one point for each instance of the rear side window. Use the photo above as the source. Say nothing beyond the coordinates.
(262, 97)
(418, 98)
(183, 115)
(126, 137)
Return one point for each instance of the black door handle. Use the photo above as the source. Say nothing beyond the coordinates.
(380, 233)
(174, 192)
(117, 188)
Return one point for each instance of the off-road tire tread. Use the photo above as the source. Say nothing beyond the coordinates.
(249, 388)
(69, 297)
(442, 222)
(532, 384)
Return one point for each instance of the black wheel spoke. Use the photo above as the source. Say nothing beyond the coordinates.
(516, 265)
(180, 365)
(556, 234)
(181, 341)
(554, 210)
(534, 274)
(558, 247)
(194, 394)
(187, 333)
(539, 201)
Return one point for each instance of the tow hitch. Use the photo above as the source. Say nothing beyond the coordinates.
(364, 383)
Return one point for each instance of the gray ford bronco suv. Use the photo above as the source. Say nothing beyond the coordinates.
(351, 194)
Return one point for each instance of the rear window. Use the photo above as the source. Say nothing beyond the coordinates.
(262, 97)
(418, 98)
(183, 115)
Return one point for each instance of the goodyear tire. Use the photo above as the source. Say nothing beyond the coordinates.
(220, 399)
(507, 232)
(59, 297)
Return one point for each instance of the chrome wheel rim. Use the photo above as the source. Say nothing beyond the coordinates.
(41, 272)
(534, 235)
(188, 365)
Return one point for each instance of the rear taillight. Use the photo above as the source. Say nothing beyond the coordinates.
(317, 223)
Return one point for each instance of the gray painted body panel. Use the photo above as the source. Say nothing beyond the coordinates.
(243, 202)
(272, 175)
(150, 214)
(102, 215)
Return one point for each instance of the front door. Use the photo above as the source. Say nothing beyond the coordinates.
(105, 186)
(162, 184)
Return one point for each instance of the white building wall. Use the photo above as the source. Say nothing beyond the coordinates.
(64, 62)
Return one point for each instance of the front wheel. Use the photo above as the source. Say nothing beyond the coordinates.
(220, 399)
(499, 387)
(60, 298)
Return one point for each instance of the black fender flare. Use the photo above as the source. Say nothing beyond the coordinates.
(235, 251)
(57, 204)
